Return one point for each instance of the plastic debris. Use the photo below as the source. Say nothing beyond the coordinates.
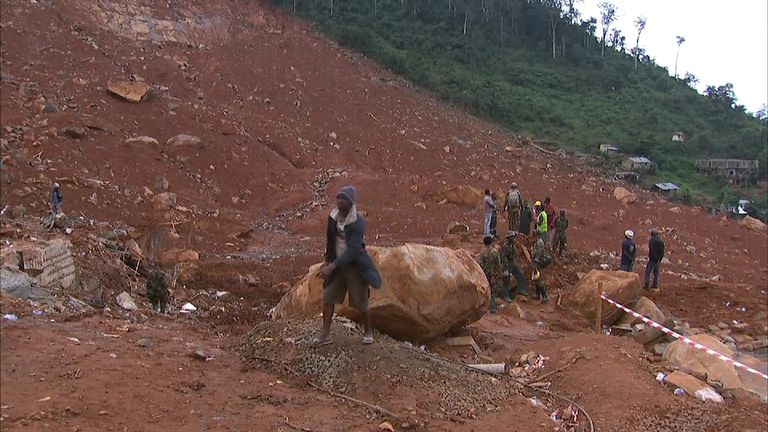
(10, 317)
(188, 307)
(679, 392)
(661, 376)
(709, 394)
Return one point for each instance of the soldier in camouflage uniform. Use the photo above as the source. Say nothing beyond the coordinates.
(541, 287)
(491, 264)
(157, 290)
(561, 225)
(510, 268)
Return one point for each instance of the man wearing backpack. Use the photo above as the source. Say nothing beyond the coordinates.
(513, 205)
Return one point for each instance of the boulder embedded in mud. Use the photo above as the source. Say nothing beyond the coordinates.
(164, 201)
(624, 196)
(184, 140)
(753, 224)
(645, 307)
(140, 142)
(176, 255)
(457, 228)
(132, 91)
(619, 286)
(134, 249)
(466, 196)
(426, 291)
(696, 361)
(693, 386)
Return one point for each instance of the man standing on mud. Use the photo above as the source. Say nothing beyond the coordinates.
(655, 255)
(628, 251)
(348, 267)
(510, 269)
(489, 206)
(513, 205)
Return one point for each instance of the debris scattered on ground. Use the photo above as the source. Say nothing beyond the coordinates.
(126, 302)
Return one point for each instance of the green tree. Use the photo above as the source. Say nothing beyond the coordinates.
(608, 16)
(640, 23)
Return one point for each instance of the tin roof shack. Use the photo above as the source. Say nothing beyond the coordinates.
(610, 149)
(678, 137)
(668, 189)
(737, 171)
(637, 163)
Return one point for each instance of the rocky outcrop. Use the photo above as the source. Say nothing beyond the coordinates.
(426, 291)
(624, 196)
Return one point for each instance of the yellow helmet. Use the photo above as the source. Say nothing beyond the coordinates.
(537, 203)
(536, 275)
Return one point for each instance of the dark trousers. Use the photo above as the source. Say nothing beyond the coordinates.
(521, 288)
(628, 267)
(653, 267)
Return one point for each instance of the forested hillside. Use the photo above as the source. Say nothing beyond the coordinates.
(540, 68)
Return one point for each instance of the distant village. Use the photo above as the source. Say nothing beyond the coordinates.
(738, 172)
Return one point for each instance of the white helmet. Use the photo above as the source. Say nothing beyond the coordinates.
(629, 234)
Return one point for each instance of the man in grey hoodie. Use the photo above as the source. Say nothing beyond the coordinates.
(348, 267)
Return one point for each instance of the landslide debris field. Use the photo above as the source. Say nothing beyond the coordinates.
(247, 120)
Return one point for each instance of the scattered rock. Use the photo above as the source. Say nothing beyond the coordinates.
(18, 212)
(652, 334)
(385, 426)
(74, 132)
(457, 227)
(142, 141)
(660, 348)
(675, 210)
(426, 291)
(466, 196)
(126, 302)
(129, 90)
(201, 355)
(185, 140)
(144, 342)
(176, 255)
(164, 201)
(134, 249)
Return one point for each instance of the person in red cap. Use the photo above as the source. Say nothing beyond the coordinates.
(348, 268)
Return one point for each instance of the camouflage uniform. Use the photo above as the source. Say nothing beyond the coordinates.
(513, 204)
(541, 289)
(560, 240)
(510, 268)
(157, 290)
(491, 264)
(541, 258)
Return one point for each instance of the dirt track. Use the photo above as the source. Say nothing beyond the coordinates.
(286, 117)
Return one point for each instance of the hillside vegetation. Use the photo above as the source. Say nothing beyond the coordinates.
(499, 59)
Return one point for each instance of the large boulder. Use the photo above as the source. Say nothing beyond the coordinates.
(698, 362)
(645, 307)
(624, 196)
(426, 291)
(466, 196)
(753, 224)
(619, 286)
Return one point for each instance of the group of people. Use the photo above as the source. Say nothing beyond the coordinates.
(501, 266)
(656, 250)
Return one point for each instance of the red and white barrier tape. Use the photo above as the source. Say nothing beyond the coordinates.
(683, 338)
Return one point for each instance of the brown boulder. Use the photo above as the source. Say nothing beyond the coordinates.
(753, 224)
(693, 386)
(645, 307)
(619, 286)
(176, 255)
(466, 196)
(696, 361)
(184, 140)
(624, 196)
(129, 90)
(426, 292)
(141, 142)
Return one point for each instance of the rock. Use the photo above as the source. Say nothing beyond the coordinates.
(466, 196)
(143, 141)
(385, 426)
(742, 339)
(624, 196)
(176, 255)
(129, 90)
(753, 224)
(645, 307)
(184, 140)
(652, 334)
(456, 228)
(134, 249)
(426, 292)
(126, 302)
(660, 348)
(74, 132)
(619, 286)
(675, 210)
(690, 359)
(693, 386)
(144, 343)
(161, 184)
(164, 201)
(51, 107)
